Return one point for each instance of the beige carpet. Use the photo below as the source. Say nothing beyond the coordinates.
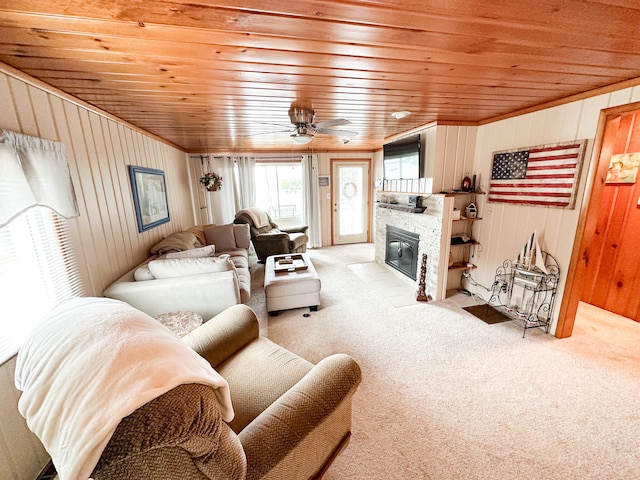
(447, 396)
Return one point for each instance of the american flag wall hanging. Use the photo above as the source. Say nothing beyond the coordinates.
(545, 175)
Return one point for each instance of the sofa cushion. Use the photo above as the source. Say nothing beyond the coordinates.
(228, 237)
(206, 251)
(180, 267)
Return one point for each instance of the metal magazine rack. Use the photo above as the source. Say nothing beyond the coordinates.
(526, 295)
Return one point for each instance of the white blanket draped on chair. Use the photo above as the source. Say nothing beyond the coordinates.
(92, 362)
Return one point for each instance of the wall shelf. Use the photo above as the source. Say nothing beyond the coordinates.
(461, 266)
(466, 244)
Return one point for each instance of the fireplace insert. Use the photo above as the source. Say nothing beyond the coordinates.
(402, 251)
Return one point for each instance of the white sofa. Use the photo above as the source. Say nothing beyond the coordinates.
(206, 286)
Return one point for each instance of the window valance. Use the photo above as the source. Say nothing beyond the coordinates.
(33, 171)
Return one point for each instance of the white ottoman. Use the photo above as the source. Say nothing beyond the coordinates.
(291, 288)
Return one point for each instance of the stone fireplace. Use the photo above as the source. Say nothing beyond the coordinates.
(425, 227)
(401, 251)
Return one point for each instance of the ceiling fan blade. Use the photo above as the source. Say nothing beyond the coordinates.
(336, 122)
(270, 132)
(339, 133)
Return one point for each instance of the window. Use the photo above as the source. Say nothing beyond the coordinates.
(280, 191)
(37, 270)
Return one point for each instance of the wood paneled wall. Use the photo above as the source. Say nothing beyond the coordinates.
(106, 237)
(505, 228)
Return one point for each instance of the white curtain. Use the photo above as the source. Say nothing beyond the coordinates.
(245, 182)
(238, 186)
(312, 200)
(220, 203)
(33, 171)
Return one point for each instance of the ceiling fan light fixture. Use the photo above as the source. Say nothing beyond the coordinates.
(302, 138)
(401, 114)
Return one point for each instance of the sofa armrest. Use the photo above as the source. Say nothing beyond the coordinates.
(207, 294)
(222, 336)
(296, 229)
(271, 237)
(305, 426)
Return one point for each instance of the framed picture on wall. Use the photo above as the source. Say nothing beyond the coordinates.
(149, 197)
(623, 169)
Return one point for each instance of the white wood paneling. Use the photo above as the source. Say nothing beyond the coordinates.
(504, 228)
(107, 241)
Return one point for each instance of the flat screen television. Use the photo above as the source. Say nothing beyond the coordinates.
(402, 159)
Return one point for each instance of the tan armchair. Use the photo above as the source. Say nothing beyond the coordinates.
(268, 239)
(291, 417)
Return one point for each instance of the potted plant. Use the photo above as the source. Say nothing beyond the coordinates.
(212, 181)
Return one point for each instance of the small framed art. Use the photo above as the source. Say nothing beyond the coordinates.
(623, 169)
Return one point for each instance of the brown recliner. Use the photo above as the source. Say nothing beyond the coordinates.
(267, 238)
(291, 417)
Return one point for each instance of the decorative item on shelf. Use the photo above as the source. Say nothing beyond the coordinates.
(471, 211)
(466, 183)
(211, 181)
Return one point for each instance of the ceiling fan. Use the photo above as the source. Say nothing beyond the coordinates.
(304, 129)
(302, 119)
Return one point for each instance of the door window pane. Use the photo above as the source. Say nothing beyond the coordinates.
(350, 200)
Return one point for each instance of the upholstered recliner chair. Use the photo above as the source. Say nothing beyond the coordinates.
(268, 239)
(291, 417)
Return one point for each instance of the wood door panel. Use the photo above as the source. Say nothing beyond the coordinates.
(613, 255)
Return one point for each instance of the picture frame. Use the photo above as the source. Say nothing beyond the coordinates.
(623, 169)
(149, 197)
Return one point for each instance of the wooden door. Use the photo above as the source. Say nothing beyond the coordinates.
(606, 256)
(612, 258)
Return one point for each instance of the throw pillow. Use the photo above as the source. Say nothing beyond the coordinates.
(208, 251)
(221, 236)
(143, 273)
(242, 234)
(176, 242)
(180, 267)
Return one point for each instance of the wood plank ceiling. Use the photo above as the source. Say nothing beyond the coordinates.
(217, 75)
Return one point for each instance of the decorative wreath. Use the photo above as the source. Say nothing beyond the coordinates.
(350, 189)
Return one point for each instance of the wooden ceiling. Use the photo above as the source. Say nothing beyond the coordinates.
(216, 75)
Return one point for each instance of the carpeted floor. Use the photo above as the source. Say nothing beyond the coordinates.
(446, 396)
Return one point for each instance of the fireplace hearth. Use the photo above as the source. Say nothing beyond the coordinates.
(401, 251)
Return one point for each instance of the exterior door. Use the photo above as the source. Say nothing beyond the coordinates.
(350, 197)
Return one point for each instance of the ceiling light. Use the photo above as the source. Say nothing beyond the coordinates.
(402, 114)
(302, 138)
